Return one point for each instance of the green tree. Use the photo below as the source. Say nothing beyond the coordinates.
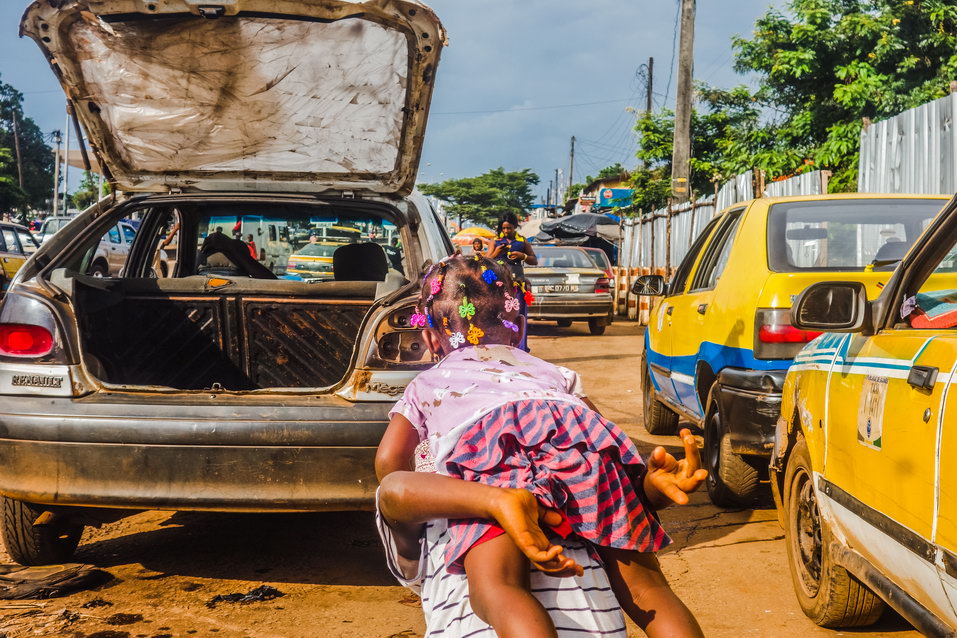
(831, 63)
(36, 155)
(485, 198)
(86, 192)
(11, 196)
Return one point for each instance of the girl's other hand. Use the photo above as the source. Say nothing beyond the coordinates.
(669, 481)
(519, 514)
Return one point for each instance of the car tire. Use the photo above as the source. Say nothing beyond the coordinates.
(564, 323)
(28, 544)
(596, 326)
(659, 419)
(99, 269)
(827, 593)
(732, 479)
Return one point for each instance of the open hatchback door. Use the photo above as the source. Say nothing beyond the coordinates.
(247, 95)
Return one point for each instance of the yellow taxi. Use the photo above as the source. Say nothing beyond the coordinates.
(720, 340)
(16, 246)
(312, 261)
(864, 469)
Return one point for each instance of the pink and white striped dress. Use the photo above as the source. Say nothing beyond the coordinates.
(499, 416)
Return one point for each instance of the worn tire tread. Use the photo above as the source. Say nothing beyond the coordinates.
(659, 420)
(26, 544)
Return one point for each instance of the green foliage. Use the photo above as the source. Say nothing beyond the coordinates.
(485, 198)
(86, 193)
(37, 156)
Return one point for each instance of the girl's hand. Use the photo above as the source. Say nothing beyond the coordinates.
(669, 481)
(519, 513)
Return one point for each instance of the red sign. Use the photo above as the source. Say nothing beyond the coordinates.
(608, 194)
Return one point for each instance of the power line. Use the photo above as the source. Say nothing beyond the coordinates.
(674, 49)
(534, 108)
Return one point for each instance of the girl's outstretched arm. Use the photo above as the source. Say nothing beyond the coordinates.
(668, 481)
(407, 499)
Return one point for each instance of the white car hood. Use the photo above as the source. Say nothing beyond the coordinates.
(288, 95)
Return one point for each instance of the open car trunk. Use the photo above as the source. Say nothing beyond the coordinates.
(192, 334)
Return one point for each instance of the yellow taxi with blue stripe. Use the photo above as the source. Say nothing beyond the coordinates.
(720, 339)
(864, 470)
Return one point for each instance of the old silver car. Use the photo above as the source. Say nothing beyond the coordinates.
(221, 386)
(568, 286)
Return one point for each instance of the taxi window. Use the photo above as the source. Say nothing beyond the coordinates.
(934, 306)
(680, 278)
(27, 242)
(129, 234)
(717, 254)
(114, 235)
(10, 241)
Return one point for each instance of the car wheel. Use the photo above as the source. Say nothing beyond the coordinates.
(30, 544)
(99, 269)
(564, 323)
(659, 420)
(596, 326)
(827, 593)
(732, 479)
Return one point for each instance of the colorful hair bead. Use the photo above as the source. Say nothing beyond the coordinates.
(418, 320)
(511, 303)
(456, 340)
(475, 333)
(490, 277)
(529, 298)
(466, 310)
(511, 326)
(437, 285)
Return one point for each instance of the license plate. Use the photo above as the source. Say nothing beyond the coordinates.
(555, 288)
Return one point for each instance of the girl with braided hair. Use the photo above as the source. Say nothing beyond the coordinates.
(490, 413)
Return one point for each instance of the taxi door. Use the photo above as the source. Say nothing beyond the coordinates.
(689, 312)
(659, 340)
(11, 254)
(945, 534)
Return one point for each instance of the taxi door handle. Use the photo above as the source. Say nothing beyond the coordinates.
(702, 308)
(922, 377)
(670, 310)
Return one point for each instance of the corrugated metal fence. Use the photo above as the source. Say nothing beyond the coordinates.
(914, 152)
(656, 242)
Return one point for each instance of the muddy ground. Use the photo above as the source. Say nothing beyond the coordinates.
(729, 566)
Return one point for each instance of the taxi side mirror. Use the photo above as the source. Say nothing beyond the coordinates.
(832, 306)
(649, 286)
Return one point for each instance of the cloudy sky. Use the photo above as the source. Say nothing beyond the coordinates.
(519, 79)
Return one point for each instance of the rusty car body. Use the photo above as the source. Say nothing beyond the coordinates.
(221, 386)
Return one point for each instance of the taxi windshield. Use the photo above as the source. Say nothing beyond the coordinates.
(849, 235)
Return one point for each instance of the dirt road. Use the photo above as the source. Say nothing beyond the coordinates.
(729, 566)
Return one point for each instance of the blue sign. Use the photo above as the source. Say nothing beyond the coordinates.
(612, 197)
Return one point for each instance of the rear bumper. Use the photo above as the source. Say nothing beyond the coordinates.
(570, 307)
(750, 401)
(214, 453)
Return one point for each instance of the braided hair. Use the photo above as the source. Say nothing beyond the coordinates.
(469, 301)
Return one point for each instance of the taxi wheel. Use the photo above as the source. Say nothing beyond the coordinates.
(732, 481)
(827, 593)
(99, 269)
(30, 544)
(659, 420)
(564, 323)
(596, 326)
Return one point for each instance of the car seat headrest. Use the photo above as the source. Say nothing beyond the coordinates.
(359, 262)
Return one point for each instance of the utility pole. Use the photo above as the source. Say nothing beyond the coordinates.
(649, 85)
(66, 161)
(571, 165)
(16, 145)
(558, 189)
(58, 138)
(681, 154)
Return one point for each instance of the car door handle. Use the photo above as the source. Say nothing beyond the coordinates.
(670, 310)
(702, 308)
(922, 377)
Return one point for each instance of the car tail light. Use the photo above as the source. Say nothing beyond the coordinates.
(775, 337)
(602, 285)
(24, 340)
(397, 342)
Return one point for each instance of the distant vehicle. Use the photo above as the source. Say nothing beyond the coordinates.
(719, 340)
(313, 261)
(600, 257)
(17, 245)
(569, 287)
(111, 253)
(51, 225)
(271, 236)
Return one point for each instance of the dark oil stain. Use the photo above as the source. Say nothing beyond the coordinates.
(123, 619)
(96, 602)
(109, 633)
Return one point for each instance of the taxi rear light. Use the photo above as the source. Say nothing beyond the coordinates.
(25, 340)
(775, 337)
(398, 342)
(602, 285)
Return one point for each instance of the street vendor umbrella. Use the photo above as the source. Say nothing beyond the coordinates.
(588, 224)
(466, 236)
